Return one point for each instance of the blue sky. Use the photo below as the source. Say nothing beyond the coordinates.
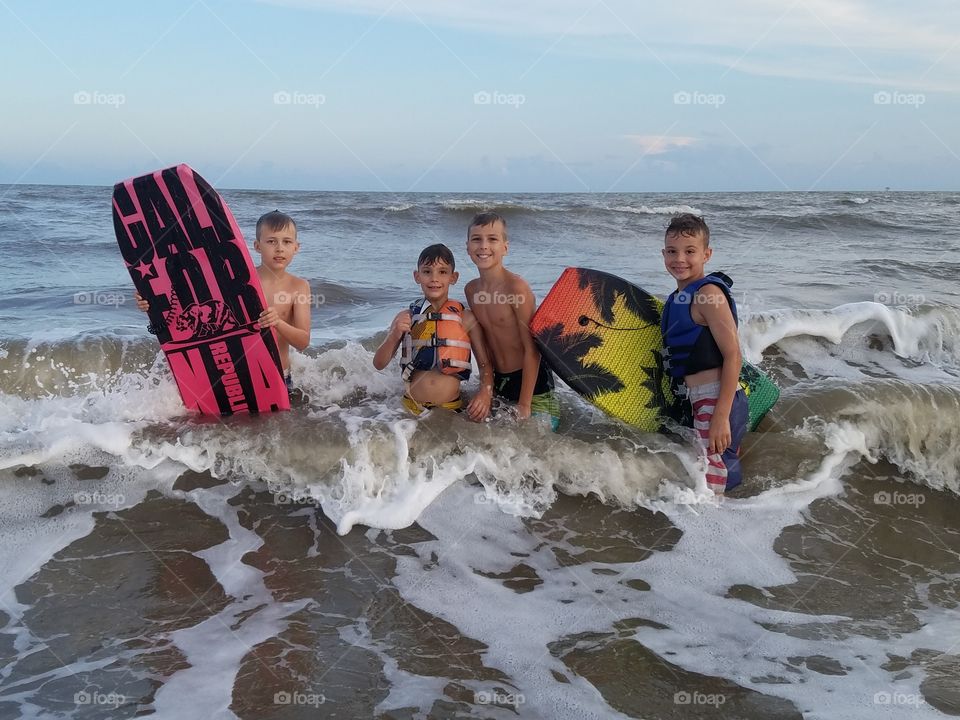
(498, 96)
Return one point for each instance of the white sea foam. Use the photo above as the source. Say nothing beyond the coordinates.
(924, 335)
(216, 647)
(657, 209)
(484, 204)
(719, 548)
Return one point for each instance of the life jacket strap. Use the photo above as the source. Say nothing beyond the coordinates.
(457, 363)
(420, 317)
(434, 341)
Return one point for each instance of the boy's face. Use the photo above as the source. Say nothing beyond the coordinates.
(685, 255)
(277, 247)
(487, 245)
(435, 280)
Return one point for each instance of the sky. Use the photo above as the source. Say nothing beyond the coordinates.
(485, 96)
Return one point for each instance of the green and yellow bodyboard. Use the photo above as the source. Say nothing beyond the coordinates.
(601, 335)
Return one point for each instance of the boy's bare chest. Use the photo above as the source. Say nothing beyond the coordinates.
(491, 314)
(279, 297)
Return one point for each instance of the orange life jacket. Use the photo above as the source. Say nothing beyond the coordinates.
(436, 341)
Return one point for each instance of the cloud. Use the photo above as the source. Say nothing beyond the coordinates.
(660, 144)
(888, 41)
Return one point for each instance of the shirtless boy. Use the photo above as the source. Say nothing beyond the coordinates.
(503, 304)
(288, 296)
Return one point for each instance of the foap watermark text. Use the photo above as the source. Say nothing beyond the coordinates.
(95, 97)
(299, 698)
(495, 697)
(695, 97)
(895, 97)
(895, 298)
(87, 697)
(99, 297)
(295, 97)
(898, 498)
(485, 97)
(898, 698)
(696, 697)
(498, 298)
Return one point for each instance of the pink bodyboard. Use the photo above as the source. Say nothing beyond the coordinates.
(187, 257)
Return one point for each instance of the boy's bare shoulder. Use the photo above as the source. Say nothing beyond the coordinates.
(295, 284)
(713, 292)
(517, 284)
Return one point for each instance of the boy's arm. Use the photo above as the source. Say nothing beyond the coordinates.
(716, 313)
(479, 406)
(468, 292)
(523, 310)
(297, 333)
(388, 348)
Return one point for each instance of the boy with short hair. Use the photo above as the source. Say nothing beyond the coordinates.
(288, 296)
(438, 335)
(503, 305)
(702, 348)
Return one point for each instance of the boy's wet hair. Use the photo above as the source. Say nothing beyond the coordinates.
(436, 253)
(273, 221)
(689, 225)
(487, 218)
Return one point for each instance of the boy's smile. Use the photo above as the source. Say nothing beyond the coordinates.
(684, 257)
(486, 245)
(435, 280)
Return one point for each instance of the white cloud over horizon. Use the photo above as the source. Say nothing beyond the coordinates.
(837, 40)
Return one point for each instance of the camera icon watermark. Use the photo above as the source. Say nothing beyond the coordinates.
(480, 497)
(695, 97)
(100, 298)
(698, 698)
(95, 97)
(701, 298)
(486, 97)
(898, 498)
(495, 697)
(895, 97)
(498, 298)
(113, 700)
(295, 97)
(898, 698)
(298, 698)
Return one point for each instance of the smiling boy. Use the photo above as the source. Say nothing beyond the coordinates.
(438, 335)
(702, 348)
(503, 304)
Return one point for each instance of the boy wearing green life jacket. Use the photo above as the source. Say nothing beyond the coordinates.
(437, 335)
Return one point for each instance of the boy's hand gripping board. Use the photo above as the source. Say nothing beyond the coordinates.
(187, 258)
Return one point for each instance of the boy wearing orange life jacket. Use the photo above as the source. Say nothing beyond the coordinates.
(438, 335)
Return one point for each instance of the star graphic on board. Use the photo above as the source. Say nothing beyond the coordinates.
(145, 269)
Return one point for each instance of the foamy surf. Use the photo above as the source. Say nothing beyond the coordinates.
(343, 559)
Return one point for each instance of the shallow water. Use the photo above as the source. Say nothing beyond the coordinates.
(343, 560)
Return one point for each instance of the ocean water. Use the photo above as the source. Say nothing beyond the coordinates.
(344, 560)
